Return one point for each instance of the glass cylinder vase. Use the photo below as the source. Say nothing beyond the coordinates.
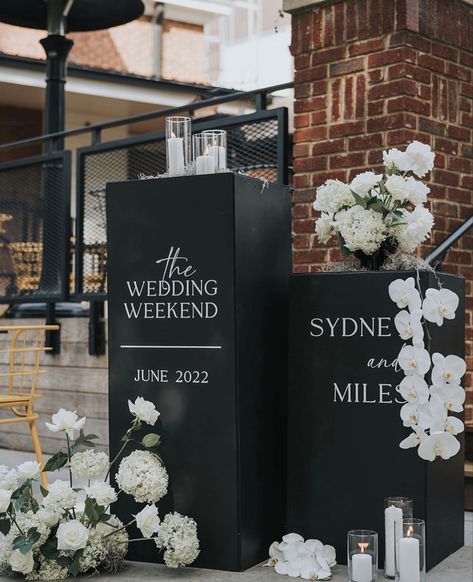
(218, 147)
(178, 145)
(395, 510)
(410, 558)
(204, 162)
(362, 550)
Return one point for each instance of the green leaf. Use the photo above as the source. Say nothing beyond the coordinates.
(378, 206)
(359, 199)
(5, 526)
(33, 535)
(56, 462)
(64, 561)
(18, 542)
(104, 517)
(151, 440)
(74, 566)
(49, 549)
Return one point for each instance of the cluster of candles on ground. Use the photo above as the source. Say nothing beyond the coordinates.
(208, 151)
(404, 551)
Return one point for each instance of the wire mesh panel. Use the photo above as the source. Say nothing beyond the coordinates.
(34, 228)
(257, 146)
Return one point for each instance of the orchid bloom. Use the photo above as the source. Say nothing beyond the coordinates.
(439, 304)
(414, 360)
(452, 395)
(414, 389)
(447, 370)
(438, 444)
(404, 294)
(409, 326)
(414, 439)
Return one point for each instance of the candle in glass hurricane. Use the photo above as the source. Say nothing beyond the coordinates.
(218, 147)
(204, 163)
(362, 565)
(396, 509)
(178, 131)
(409, 563)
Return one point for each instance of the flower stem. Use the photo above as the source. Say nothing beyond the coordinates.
(119, 529)
(12, 517)
(69, 467)
(127, 440)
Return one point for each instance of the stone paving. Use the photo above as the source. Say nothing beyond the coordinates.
(456, 568)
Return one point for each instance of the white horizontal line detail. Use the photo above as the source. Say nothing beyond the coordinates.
(130, 347)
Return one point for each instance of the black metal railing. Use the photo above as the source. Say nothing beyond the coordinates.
(39, 259)
(436, 257)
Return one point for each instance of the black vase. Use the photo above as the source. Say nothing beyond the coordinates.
(375, 261)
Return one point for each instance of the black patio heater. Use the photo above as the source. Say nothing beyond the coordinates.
(59, 17)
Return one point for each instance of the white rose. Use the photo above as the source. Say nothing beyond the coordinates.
(67, 421)
(72, 535)
(5, 496)
(323, 228)
(393, 158)
(148, 520)
(102, 492)
(23, 563)
(364, 182)
(415, 228)
(49, 518)
(416, 191)
(419, 158)
(144, 410)
(396, 185)
(28, 470)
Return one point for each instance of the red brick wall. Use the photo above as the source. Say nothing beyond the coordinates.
(371, 74)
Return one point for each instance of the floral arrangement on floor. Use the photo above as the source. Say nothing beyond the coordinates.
(62, 536)
(294, 557)
(427, 408)
(376, 216)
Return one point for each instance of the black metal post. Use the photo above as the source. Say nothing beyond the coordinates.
(56, 47)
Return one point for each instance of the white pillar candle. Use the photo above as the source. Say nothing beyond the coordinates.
(219, 153)
(393, 533)
(205, 165)
(361, 568)
(175, 156)
(409, 560)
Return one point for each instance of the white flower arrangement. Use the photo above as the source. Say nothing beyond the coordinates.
(309, 559)
(50, 539)
(375, 215)
(427, 407)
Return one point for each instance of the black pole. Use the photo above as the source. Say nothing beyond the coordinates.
(56, 47)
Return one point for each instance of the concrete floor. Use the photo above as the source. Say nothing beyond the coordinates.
(457, 568)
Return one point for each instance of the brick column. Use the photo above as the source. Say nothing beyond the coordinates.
(371, 74)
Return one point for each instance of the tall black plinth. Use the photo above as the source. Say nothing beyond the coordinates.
(199, 273)
(344, 424)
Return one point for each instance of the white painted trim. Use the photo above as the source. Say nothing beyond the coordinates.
(99, 88)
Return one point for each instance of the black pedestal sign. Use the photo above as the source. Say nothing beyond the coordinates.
(198, 284)
(344, 424)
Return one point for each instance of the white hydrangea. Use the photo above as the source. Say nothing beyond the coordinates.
(323, 227)
(362, 230)
(141, 475)
(89, 464)
(415, 229)
(103, 550)
(178, 537)
(8, 478)
(60, 496)
(333, 196)
(47, 570)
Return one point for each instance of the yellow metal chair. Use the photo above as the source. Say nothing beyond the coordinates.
(24, 357)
